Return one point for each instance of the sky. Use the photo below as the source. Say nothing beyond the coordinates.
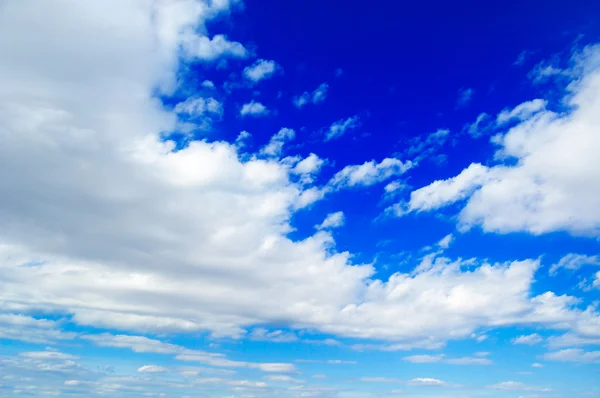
(299, 198)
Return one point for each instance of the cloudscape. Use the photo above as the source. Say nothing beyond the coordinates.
(299, 198)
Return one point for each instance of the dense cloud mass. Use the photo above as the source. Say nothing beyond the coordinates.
(108, 224)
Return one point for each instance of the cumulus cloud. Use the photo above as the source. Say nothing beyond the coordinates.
(107, 225)
(427, 381)
(425, 147)
(339, 128)
(195, 107)
(517, 386)
(260, 70)
(369, 173)
(574, 355)
(333, 220)
(480, 126)
(573, 262)
(530, 339)
(522, 111)
(314, 97)
(254, 108)
(550, 181)
(277, 141)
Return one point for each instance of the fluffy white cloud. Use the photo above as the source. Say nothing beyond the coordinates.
(522, 111)
(276, 336)
(277, 141)
(479, 126)
(517, 386)
(152, 369)
(339, 128)
(552, 181)
(254, 108)
(530, 339)
(475, 360)
(369, 173)
(574, 355)
(260, 70)
(425, 147)
(333, 220)
(315, 97)
(574, 261)
(427, 381)
(104, 223)
(195, 107)
(446, 241)
(379, 380)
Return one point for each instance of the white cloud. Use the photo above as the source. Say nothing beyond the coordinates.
(443, 192)
(424, 358)
(379, 380)
(446, 241)
(530, 339)
(254, 108)
(517, 386)
(552, 180)
(308, 167)
(422, 148)
(277, 141)
(276, 336)
(333, 220)
(521, 112)
(537, 365)
(282, 379)
(128, 234)
(544, 71)
(315, 97)
(573, 262)
(369, 173)
(47, 355)
(339, 128)
(574, 355)
(260, 70)
(152, 369)
(208, 84)
(426, 381)
(479, 127)
(475, 360)
(195, 107)
(465, 95)
(208, 49)
(572, 340)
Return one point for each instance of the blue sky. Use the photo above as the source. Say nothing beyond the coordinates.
(299, 199)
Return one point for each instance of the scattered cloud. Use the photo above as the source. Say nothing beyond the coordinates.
(276, 336)
(422, 148)
(521, 112)
(574, 355)
(254, 108)
(333, 220)
(427, 381)
(152, 369)
(314, 97)
(550, 183)
(517, 386)
(277, 141)
(261, 70)
(465, 95)
(474, 360)
(573, 262)
(530, 339)
(339, 128)
(369, 173)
